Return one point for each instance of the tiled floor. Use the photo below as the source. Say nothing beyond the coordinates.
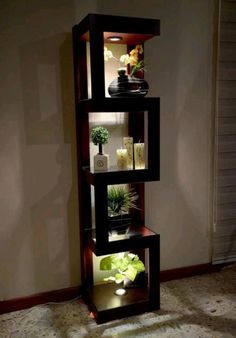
(203, 306)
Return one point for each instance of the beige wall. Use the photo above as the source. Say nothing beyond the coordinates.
(179, 72)
(39, 248)
(179, 206)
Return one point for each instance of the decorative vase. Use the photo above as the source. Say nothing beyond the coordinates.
(101, 162)
(119, 223)
(128, 86)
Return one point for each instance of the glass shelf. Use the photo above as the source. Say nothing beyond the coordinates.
(136, 237)
(112, 169)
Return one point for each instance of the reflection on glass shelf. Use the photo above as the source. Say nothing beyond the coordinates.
(117, 237)
(126, 234)
(121, 235)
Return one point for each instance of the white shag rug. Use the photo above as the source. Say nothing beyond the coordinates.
(203, 306)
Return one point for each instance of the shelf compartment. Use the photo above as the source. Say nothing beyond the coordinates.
(149, 111)
(96, 28)
(103, 241)
(105, 305)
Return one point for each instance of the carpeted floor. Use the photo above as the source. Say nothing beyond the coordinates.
(203, 306)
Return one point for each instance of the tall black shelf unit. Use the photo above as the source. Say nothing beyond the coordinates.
(101, 299)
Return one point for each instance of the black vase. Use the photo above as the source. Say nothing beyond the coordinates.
(119, 223)
(128, 86)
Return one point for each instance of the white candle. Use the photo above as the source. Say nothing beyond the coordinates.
(128, 144)
(139, 159)
(122, 158)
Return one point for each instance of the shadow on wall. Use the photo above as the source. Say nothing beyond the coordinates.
(50, 160)
(179, 202)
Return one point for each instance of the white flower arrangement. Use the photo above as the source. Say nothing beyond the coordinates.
(132, 59)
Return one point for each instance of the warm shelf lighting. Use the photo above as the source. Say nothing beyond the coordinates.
(120, 292)
(114, 38)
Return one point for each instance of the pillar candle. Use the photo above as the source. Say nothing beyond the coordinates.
(128, 144)
(139, 158)
(122, 158)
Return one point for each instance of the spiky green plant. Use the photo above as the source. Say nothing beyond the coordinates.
(120, 199)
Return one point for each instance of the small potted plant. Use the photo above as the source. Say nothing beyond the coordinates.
(124, 266)
(100, 136)
(120, 200)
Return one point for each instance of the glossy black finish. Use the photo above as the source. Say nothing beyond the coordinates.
(128, 86)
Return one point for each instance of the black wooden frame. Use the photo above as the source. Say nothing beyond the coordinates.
(96, 29)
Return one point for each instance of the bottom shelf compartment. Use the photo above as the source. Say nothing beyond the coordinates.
(106, 305)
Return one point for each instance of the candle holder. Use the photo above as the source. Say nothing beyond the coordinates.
(122, 159)
(139, 156)
(128, 144)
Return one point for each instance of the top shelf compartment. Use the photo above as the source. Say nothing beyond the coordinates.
(89, 37)
(131, 30)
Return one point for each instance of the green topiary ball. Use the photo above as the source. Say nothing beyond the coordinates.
(99, 135)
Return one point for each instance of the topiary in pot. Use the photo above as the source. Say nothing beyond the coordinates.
(100, 136)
